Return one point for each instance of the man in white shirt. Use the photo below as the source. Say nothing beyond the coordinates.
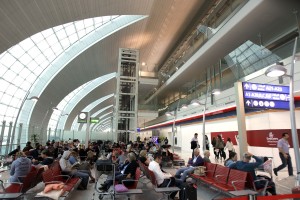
(162, 178)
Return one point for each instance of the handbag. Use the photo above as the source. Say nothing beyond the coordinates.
(200, 170)
(121, 188)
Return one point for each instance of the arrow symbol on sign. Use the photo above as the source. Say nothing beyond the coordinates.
(248, 102)
(246, 86)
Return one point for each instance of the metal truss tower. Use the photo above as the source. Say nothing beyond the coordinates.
(126, 109)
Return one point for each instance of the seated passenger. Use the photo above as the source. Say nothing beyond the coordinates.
(196, 160)
(19, 167)
(120, 158)
(206, 156)
(12, 153)
(81, 166)
(247, 166)
(67, 168)
(47, 158)
(161, 177)
(231, 159)
(127, 172)
(167, 155)
(143, 158)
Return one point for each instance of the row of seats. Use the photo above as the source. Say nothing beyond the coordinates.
(25, 182)
(225, 179)
(54, 175)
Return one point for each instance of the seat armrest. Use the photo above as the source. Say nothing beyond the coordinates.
(263, 188)
(20, 178)
(129, 180)
(237, 181)
(64, 176)
(169, 182)
(52, 182)
(217, 177)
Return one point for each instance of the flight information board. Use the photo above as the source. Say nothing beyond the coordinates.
(264, 96)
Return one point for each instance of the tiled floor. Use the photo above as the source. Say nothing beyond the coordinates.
(283, 186)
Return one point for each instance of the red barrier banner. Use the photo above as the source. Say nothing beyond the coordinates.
(259, 138)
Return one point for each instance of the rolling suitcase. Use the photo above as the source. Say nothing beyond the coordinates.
(188, 192)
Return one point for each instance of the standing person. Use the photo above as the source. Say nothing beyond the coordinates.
(194, 143)
(206, 143)
(229, 146)
(283, 147)
(220, 147)
(216, 151)
(166, 141)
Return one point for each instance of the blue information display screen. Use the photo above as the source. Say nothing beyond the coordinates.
(266, 96)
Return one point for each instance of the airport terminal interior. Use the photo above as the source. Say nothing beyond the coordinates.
(108, 82)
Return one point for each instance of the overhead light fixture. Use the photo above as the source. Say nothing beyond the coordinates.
(143, 63)
(34, 98)
(184, 106)
(54, 108)
(216, 91)
(169, 114)
(196, 102)
(276, 70)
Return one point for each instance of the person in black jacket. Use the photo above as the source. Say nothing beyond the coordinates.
(15, 151)
(46, 157)
(127, 172)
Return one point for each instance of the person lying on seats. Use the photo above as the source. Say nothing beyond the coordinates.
(196, 160)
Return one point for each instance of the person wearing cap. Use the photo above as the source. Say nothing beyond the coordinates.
(194, 143)
(247, 166)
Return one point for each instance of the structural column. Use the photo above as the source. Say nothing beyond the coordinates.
(240, 113)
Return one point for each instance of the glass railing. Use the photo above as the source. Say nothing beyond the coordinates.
(237, 65)
(199, 37)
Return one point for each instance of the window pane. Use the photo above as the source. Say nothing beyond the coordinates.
(34, 51)
(25, 59)
(27, 44)
(61, 34)
(43, 45)
(7, 60)
(73, 38)
(10, 75)
(16, 67)
(4, 84)
(25, 72)
(37, 37)
(17, 51)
